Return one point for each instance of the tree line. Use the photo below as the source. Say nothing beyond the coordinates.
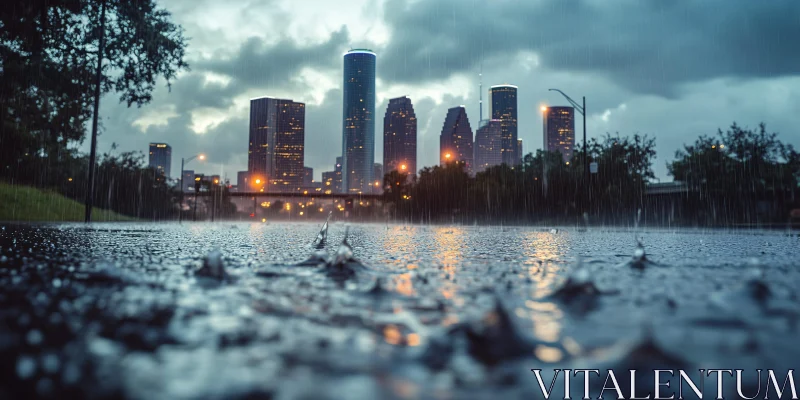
(739, 176)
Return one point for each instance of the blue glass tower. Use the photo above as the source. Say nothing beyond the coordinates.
(358, 130)
(504, 108)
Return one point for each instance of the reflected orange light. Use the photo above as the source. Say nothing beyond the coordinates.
(403, 167)
(544, 108)
(404, 285)
(447, 155)
(413, 339)
(392, 335)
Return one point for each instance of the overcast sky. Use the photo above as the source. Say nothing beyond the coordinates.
(670, 69)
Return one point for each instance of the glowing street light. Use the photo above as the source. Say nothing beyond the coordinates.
(544, 108)
(447, 156)
(404, 167)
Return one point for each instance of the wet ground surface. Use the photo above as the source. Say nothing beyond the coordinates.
(153, 311)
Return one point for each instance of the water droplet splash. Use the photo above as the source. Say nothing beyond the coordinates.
(213, 266)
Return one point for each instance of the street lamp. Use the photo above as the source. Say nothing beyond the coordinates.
(200, 157)
(582, 110)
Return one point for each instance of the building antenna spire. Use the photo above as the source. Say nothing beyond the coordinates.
(480, 95)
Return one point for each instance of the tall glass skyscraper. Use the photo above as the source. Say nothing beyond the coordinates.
(504, 108)
(161, 158)
(277, 140)
(358, 131)
(455, 143)
(559, 130)
(487, 145)
(400, 137)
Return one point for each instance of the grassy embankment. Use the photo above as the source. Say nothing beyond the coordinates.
(24, 203)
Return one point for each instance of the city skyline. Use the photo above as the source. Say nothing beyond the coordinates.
(628, 88)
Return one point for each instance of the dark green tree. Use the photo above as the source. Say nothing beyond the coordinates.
(741, 175)
(48, 50)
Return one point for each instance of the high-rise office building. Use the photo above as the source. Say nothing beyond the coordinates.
(504, 108)
(400, 137)
(277, 138)
(308, 176)
(488, 145)
(358, 131)
(519, 151)
(559, 130)
(161, 158)
(455, 142)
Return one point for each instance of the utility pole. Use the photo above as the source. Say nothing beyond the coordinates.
(98, 79)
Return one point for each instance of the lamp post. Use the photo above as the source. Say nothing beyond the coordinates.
(582, 110)
(183, 188)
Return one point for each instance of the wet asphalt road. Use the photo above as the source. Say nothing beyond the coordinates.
(130, 311)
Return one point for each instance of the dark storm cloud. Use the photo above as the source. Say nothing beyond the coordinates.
(647, 46)
(258, 64)
(193, 90)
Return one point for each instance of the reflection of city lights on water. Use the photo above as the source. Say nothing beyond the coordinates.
(393, 335)
(548, 354)
(404, 285)
(449, 242)
(544, 250)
